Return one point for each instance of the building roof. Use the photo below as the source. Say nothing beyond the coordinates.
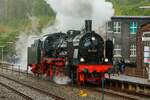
(130, 17)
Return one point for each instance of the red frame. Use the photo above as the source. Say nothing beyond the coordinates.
(59, 63)
(100, 68)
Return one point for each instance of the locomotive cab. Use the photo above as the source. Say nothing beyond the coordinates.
(91, 48)
(54, 44)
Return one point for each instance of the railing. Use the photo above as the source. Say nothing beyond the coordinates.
(5, 66)
(136, 72)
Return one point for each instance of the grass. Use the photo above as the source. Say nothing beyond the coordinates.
(9, 31)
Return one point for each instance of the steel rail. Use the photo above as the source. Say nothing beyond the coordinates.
(37, 89)
(106, 92)
(17, 92)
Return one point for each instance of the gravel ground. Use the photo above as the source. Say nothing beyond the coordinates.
(69, 93)
(6, 94)
(25, 90)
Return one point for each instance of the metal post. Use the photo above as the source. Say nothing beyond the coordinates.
(2, 66)
(149, 72)
(102, 89)
(2, 51)
(19, 70)
(12, 68)
(27, 70)
(2, 54)
(2, 57)
(72, 78)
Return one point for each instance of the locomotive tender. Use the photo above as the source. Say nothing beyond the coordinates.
(82, 55)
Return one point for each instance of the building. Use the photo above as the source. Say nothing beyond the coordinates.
(143, 49)
(122, 30)
(127, 34)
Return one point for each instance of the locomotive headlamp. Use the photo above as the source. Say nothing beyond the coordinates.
(106, 60)
(82, 59)
(93, 38)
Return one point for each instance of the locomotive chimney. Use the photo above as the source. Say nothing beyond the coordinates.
(88, 25)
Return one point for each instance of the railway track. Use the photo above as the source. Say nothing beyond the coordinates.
(91, 89)
(116, 94)
(17, 92)
(106, 92)
(39, 93)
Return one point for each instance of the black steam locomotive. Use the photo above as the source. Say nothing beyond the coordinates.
(84, 54)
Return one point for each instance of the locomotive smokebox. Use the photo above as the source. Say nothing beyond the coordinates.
(88, 25)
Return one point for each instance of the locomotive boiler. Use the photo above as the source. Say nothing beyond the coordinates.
(82, 55)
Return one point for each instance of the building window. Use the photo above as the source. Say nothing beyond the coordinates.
(117, 51)
(146, 54)
(132, 50)
(133, 27)
(109, 26)
(117, 27)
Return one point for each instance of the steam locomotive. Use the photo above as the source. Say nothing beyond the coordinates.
(82, 55)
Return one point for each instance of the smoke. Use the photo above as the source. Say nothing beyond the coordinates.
(25, 40)
(21, 48)
(62, 79)
(70, 14)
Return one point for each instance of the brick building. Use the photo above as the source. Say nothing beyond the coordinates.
(143, 49)
(122, 30)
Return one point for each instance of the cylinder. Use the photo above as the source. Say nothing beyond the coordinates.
(88, 25)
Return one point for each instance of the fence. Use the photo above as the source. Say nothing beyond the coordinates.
(4, 66)
(137, 72)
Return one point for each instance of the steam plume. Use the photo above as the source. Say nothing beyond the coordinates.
(25, 40)
(70, 14)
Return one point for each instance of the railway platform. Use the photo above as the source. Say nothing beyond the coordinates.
(130, 79)
(129, 84)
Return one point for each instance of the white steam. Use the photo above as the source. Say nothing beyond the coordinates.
(70, 14)
(62, 79)
(25, 40)
(21, 48)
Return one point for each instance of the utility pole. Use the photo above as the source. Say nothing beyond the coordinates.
(2, 51)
